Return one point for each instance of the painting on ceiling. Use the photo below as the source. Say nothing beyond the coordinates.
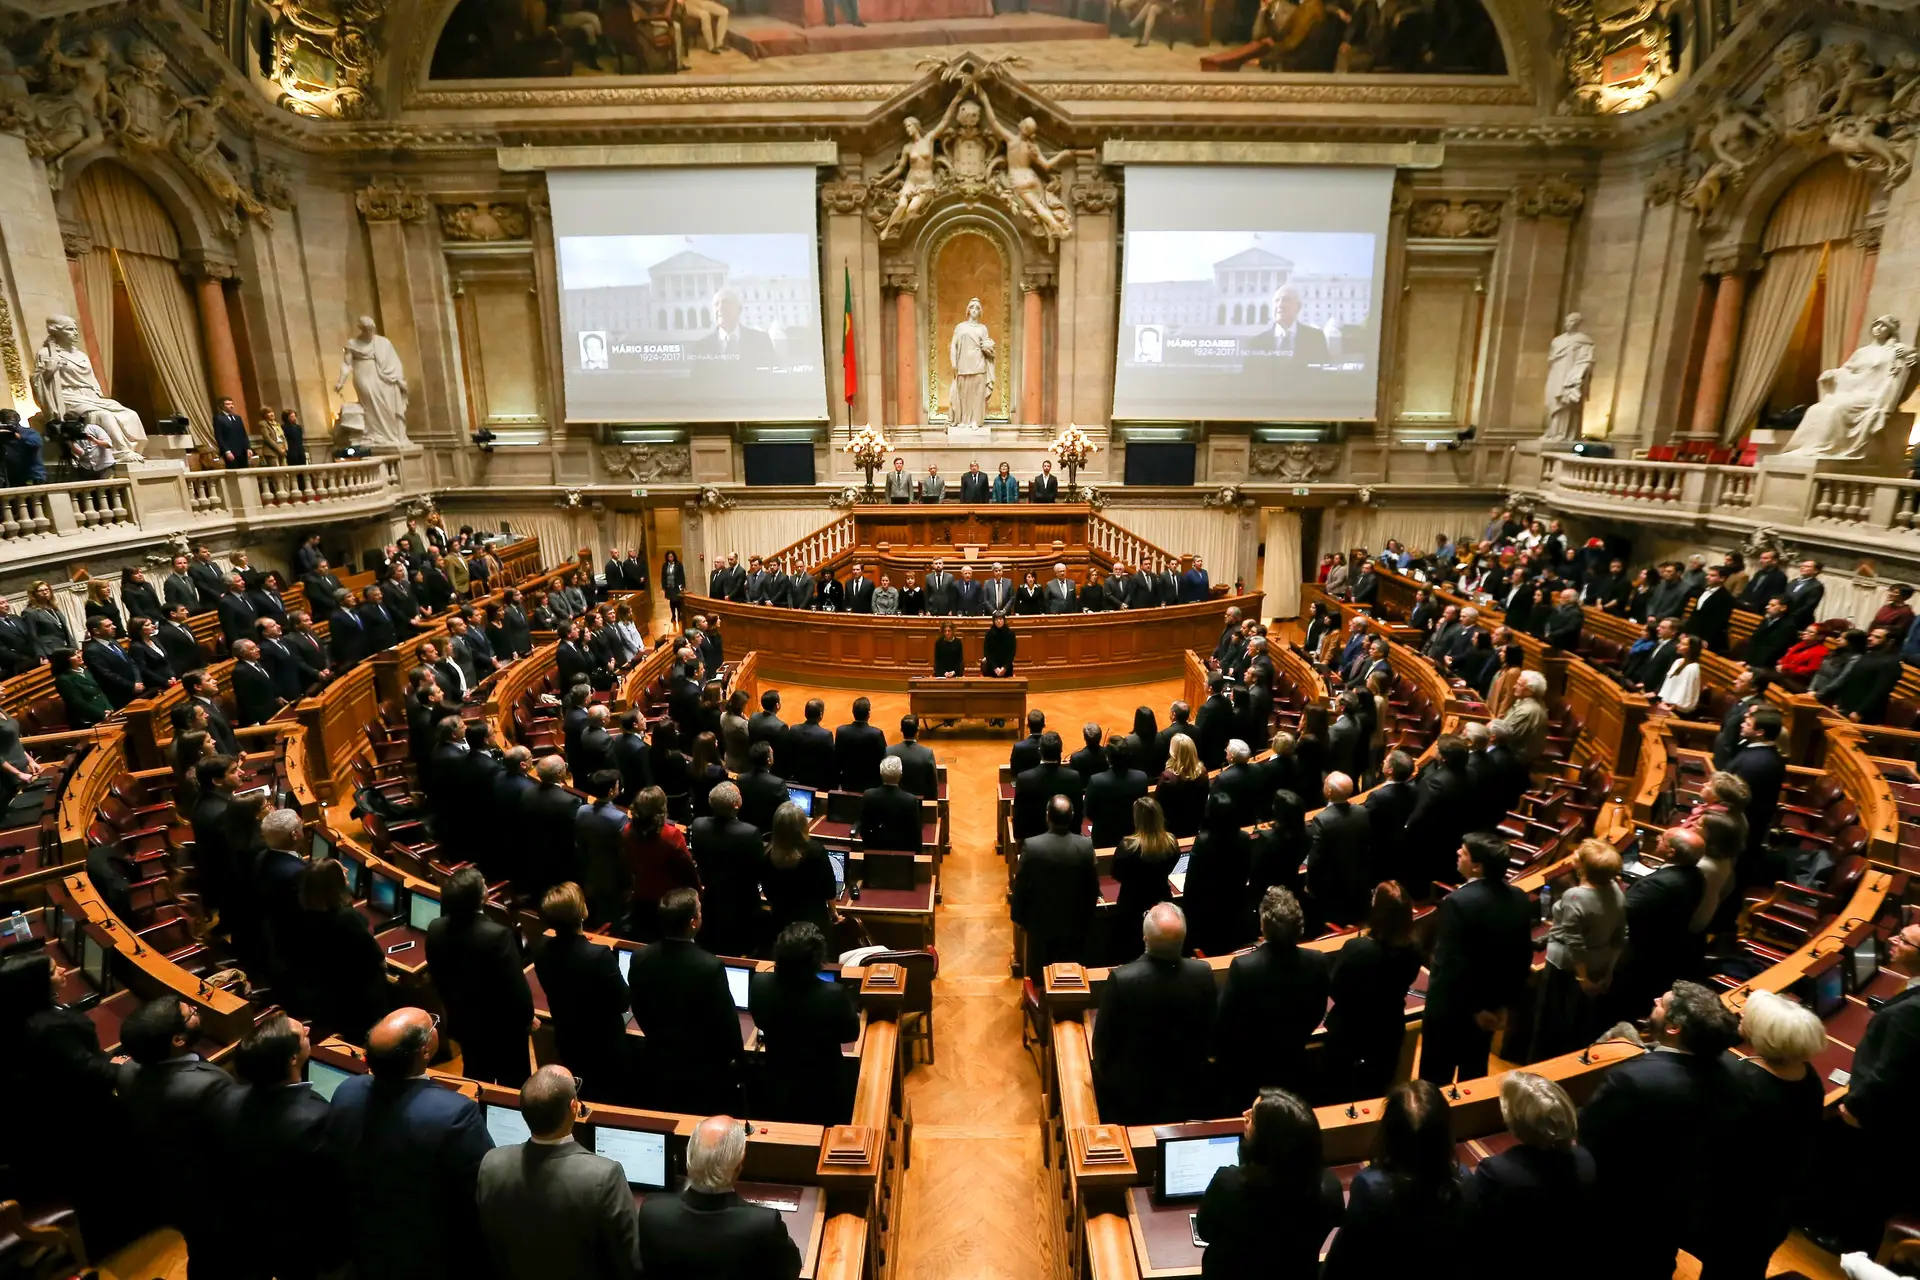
(512, 39)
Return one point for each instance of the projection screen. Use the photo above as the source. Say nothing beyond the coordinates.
(1251, 294)
(689, 295)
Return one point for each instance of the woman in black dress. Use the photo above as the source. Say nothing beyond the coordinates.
(1218, 915)
(998, 648)
(670, 767)
(913, 601)
(803, 1022)
(139, 598)
(1267, 1216)
(948, 658)
(1142, 864)
(1027, 602)
(1182, 787)
(1143, 743)
(1371, 976)
(101, 604)
(338, 970)
(149, 659)
(1093, 597)
(1784, 1097)
(673, 581)
(1412, 1190)
(796, 876)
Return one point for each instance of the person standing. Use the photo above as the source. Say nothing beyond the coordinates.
(899, 483)
(230, 437)
(480, 975)
(275, 1132)
(1044, 487)
(1275, 995)
(1055, 891)
(586, 996)
(1151, 1039)
(707, 1229)
(1483, 950)
(173, 1103)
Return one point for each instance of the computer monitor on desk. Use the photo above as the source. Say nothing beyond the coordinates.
(94, 966)
(642, 1156)
(505, 1125)
(422, 911)
(843, 807)
(1187, 1165)
(737, 986)
(383, 895)
(802, 796)
(322, 845)
(325, 1078)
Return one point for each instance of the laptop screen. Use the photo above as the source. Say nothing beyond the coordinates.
(422, 910)
(642, 1155)
(383, 895)
(737, 984)
(325, 1078)
(838, 858)
(1829, 991)
(322, 846)
(93, 962)
(352, 869)
(843, 806)
(802, 796)
(626, 963)
(506, 1126)
(1187, 1165)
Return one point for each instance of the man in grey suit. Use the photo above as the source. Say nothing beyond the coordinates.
(549, 1208)
(933, 488)
(899, 483)
(1059, 593)
(940, 590)
(996, 593)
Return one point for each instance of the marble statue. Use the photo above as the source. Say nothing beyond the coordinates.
(64, 382)
(379, 383)
(971, 352)
(915, 169)
(1030, 178)
(1569, 373)
(1856, 398)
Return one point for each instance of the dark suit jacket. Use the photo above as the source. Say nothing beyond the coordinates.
(1764, 770)
(1727, 741)
(1803, 599)
(547, 819)
(753, 346)
(112, 670)
(291, 665)
(1709, 619)
(237, 617)
(379, 626)
(1213, 729)
(209, 581)
(1059, 594)
(1025, 754)
(1110, 797)
(1245, 785)
(1660, 945)
(768, 727)
(1527, 1189)
(761, 792)
(1770, 640)
(1150, 1042)
(1763, 586)
(347, 639)
(1881, 1094)
(696, 1234)
(175, 1107)
(153, 664)
(1868, 685)
(1043, 488)
(409, 1153)
(1034, 788)
(1307, 345)
(1055, 891)
(556, 1212)
(1482, 950)
(179, 588)
(975, 486)
(219, 726)
(889, 819)
(802, 1024)
(276, 1147)
(480, 975)
(682, 1003)
(857, 751)
(230, 436)
(809, 757)
(917, 771)
(1566, 620)
(588, 999)
(255, 697)
(1274, 998)
(1340, 870)
(728, 856)
(1439, 818)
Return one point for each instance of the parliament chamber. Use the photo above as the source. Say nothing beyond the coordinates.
(932, 640)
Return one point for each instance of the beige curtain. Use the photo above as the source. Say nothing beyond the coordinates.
(1846, 293)
(1772, 314)
(1280, 571)
(170, 331)
(753, 531)
(1825, 203)
(96, 277)
(124, 214)
(1344, 528)
(561, 533)
(1214, 536)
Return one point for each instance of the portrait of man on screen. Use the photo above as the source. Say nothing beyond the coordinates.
(752, 347)
(1289, 337)
(1147, 344)
(593, 350)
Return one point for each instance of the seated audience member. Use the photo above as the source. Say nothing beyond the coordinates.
(1539, 1184)
(275, 1144)
(1156, 1019)
(796, 875)
(682, 1004)
(409, 1154)
(1275, 995)
(1411, 1190)
(1680, 1100)
(586, 997)
(889, 813)
(549, 1208)
(1055, 891)
(803, 1023)
(172, 1102)
(1216, 888)
(480, 977)
(1111, 793)
(707, 1229)
(1269, 1214)
(1584, 944)
(1482, 953)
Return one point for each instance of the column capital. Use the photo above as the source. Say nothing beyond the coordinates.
(386, 200)
(900, 278)
(1732, 260)
(202, 266)
(76, 238)
(1038, 278)
(844, 196)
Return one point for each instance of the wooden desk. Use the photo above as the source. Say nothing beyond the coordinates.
(938, 698)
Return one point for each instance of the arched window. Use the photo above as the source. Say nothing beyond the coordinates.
(1266, 314)
(1237, 313)
(1223, 314)
(663, 317)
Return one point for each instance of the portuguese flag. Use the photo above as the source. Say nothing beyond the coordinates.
(850, 365)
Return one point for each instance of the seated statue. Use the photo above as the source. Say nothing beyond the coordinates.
(64, 382)
(1856, 398)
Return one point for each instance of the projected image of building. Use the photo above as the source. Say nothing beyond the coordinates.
(676, 303)
(1237, 298)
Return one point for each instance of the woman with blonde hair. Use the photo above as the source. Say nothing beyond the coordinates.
(273, 439)
(46, 628)
(1141, 864)
(1783, 1099)
(101, 604)
(1584, 943)
(1542, 1182)
(796, 876)
(1182, 788)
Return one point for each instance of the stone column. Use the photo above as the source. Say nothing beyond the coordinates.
(1723, 343)
(208, 277)
(846, 242)
(37, 281)
(1035, 281)
(1087, 300)
(903, 283)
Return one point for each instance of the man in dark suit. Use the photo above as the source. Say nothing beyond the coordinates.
(1767, 581)
(1243, 783)
(1289, 339)
(727, 852)
(1060, 595)
(409, 1154)
(209, 579)
(480, 975)
(172, 1102)
(942, 590)
(599, 828)
(761, 790)
(808, 759)
(203, 688)
(1194, 585)
(1804, 594)
(237, 612)
(1044, 487)
(967, 600)
(178, 586)
(1864, 691)
(1388, 806)
(1346, 738)
(1772, 636)
(1231, 642)
(593, 749)
(230, 437)
(1214, 727)
(708, 1229)
(975, 487)
(1036, 786)
(1111, 793)
(1661, 944)
(1275, 995)
(919, 773)
(548, 816)
(1482, 952)
(1881, 1114)
(630, 755)
(256, 698)
(1712, 612)
(1166, 583)
(859, 591)
(347, 638)
(889, 813)
(858, 748)
(742, 348)
(1567, 618)
(1055, 891)
(799, 586)
(1026, 752)
(322, 585)
(1340, 870)
(1757, 761)
(112, 669)
(1680, 1100)
(1179, 725)
(997, 592)
(681, 1002)
(1138, 588)
(1650, 671)
(381, 627)
(1749, 691)
(1092, 757)
(1156, 1021)
(290, 666)
(275, 1145)
(765, 725)
(177, 641)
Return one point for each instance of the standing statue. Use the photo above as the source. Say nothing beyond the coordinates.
(380, 384)
(971, 352)
(1856, 398)
(64, 382)
(1569, 373)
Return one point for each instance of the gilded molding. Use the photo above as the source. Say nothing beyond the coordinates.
(10, 353)
(478, 222)
(1398, 155)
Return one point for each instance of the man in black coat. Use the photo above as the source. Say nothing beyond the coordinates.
(1274, 997)
(1055, 891)
(1649, 671)
(1060, 594)
(1682, 1102)
(1033, 789)
(808, 759)
(230, 437)
(1110, 796)
(275, 1145)
(682, 1003)
(1757, 762)
(1863, 693)
(1180, 725)
(178, 643)
(1482, 952)
(858, 748)
(1044, 487)
(859, 589)
(1749, 691)
(1767, 581)
(1091, 758)
(1661, 944)
(727, 852)
(1881, 1111)
(975, 486)
(1340, 874)
(1241, 782)
(323, 585)
(548, 816)
(1439, 818)
(1565, 621)
(209, 579)
(889, 813)
(256, 698)
(593, 749)
(1772, 636)
(112, 668)
(1026, 752)
(1501, 779)
(761, 790)
(480, 976)
(1214, 726)
(630, 755)
(291, 665)
(1156, 1022)
(1804, 594)
(1712, 612)
(381, 628)
(202, 687)
(173, 1103)
(1388, 807)
(237, 613)
(765, 725)
(919, 773)
(178, 586)
(1347, 738)
(707, 1229)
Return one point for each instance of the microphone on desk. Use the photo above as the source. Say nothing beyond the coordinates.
(1353, 1111)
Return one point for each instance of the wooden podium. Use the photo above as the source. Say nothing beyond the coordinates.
(937, 698)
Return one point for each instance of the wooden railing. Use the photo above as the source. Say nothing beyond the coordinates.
(817, 548)
(1122, 546)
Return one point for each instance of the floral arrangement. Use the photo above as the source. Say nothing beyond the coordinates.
(1074, 447)
(868, 447)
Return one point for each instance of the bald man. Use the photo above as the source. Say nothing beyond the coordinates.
(1340, 870)
(1156, 1020)
(1661, 943)
(410, 1155)
(708, 1230)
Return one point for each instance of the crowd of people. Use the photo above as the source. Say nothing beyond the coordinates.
(1153, 582)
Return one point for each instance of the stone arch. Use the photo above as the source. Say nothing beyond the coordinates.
(946, 221)
(199, 226)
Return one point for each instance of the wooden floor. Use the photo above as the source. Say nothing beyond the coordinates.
(976, 1204)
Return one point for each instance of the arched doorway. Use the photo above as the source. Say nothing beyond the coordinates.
(138, 318)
